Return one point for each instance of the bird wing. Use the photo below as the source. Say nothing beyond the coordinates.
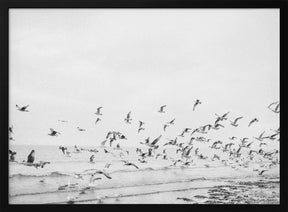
(25, 107)
(156, 140)
(238, 119)
(52, 130)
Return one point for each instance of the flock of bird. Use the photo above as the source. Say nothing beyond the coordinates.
(183, 150)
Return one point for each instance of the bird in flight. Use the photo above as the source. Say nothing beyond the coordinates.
(128, 119)
(10, 129)
(165, 126)
(97, 120)
(276, 109)
(260, 138)
(141, 123)
(161, 110)
(53, 132)
(197, 102)
(80, 129)
(127, 163)
(234, 123)
(98, 111)
(171, 122)
(141, 128)
(252, 121)
(23, 109)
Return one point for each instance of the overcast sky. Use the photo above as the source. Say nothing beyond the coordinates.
(64, 63)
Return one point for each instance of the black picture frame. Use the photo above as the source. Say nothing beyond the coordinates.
(117, 4)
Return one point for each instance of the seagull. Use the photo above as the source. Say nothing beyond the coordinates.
(80, 129)
(98, 111)
(197, 102)
(223, 117)
(53, 132)
(260, 138)
(130, 164)
(146, 141)
(11, 129)
(234, 123)
(141, 123)
(165, 126)
(128, 119)
(103, 173)
(153, 143)
(276, 109)
(161, 110)
(171, 122)
(23, 109)
(253, 120)
(97, 120)
(232, 138)
(141, 128)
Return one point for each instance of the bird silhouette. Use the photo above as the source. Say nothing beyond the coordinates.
(197, 102)
(23, 109)
(98, 112)
(128, 119)
(53, 132)
(252, 121)
(161, 110)
(234, 123)
(80, 129)
(97, 120)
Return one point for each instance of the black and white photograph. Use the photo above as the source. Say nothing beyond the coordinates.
(144, 106)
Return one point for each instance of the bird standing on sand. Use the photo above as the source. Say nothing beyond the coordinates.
(23, 109)
(98, 111)
(161, 110)
(197, 102)
(253, 120)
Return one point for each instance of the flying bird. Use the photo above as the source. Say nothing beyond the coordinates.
(234, 123)
(98, 111)
(252, 121)
(11, 129)
(128, 119)
(141, 123)
(197, 102)
(161, 110)
(80, 129)
(141, 128)
(260, 138)
(53, 132)
(130, 164)
(165, 126)
(171, 122)
(23, 109)
(97, 120)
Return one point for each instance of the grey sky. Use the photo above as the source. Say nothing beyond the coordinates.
(65, 63)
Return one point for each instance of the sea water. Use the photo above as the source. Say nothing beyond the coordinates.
(28, 180)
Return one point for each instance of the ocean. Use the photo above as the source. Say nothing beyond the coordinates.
(58, 182)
